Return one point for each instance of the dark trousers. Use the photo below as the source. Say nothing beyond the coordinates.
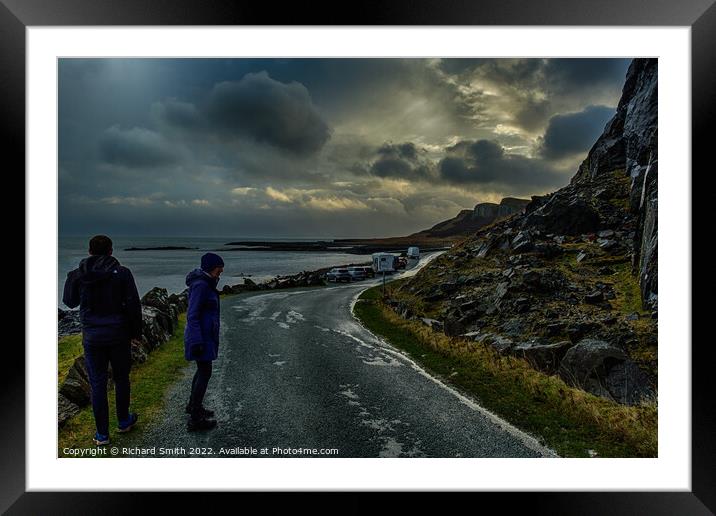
(198, 387)
(97, 358)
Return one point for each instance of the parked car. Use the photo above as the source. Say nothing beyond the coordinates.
(338, 275)
(357, 273)
(369, 272)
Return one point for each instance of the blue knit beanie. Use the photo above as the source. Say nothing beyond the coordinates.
(211, 261)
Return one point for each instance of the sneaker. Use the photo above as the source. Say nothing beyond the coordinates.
(204, 423)
(101, 439)
(204, 411)
(126, 426)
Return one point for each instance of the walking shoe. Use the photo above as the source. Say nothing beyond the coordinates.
(101, 439)
(126, 426)
(203, 411)
(204, 423)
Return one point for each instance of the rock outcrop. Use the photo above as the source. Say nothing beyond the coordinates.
(469, 221)
(68, 322)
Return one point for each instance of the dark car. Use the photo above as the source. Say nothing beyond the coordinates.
(369, 272)
(357, 273)
(338, 275)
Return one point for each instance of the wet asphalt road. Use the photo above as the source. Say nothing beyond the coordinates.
(296, 370)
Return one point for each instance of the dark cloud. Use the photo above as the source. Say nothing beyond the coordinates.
(135, 148)
(485, 162)
(573, 133)
(267, 111)
(531, 113)
(403, 160)
(586, 71)
(182, 115)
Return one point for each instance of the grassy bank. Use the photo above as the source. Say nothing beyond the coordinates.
(149, 382)
(570, 421)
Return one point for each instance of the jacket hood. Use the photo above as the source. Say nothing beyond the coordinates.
(200, 275)
(98, 267)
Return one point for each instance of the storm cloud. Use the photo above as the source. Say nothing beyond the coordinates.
(403, 160)
(486, 162)
(135, 148)
(572, 133)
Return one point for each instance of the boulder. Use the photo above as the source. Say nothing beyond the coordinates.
(522, 304)
(502, 345)
(564, 214)
(181, 301)
(432, 323)
(513, 327)
(65, 409)
(628, 384)
(594, 298)
(453, 326)
(138, 351)
(543, 357)
(76, 387)
(157, 309)
(68, 322)
(157, 326)
(587, 363)
(522, 242)
(158, 298)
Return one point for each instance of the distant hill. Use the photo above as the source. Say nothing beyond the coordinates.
(468, 221)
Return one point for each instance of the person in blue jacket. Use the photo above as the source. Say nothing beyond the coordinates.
(111, 315)
(201, 335)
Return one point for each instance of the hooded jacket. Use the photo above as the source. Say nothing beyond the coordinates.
(105, 291)
(202, 317)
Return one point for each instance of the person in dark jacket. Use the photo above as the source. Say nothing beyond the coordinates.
(201, 335)
(111, 315)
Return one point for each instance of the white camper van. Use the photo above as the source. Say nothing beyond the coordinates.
(383, 262)
(413, 253)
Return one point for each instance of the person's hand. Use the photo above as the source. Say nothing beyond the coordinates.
(197, 350)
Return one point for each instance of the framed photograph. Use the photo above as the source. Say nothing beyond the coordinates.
(402, 252)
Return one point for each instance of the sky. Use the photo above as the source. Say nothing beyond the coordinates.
(317, 148)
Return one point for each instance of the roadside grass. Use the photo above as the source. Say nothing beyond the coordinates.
(68, 349)
(572, 422)
(149, 383)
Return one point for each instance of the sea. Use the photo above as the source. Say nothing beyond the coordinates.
(168, 269)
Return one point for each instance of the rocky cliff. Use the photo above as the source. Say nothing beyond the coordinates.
(570, 284)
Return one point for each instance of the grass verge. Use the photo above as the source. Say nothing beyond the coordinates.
(572, 422)
(68, 349)
(149, 382)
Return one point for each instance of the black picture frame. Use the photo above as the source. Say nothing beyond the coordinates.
(700, 15)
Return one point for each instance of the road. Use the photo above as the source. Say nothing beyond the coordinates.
(297, 370)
